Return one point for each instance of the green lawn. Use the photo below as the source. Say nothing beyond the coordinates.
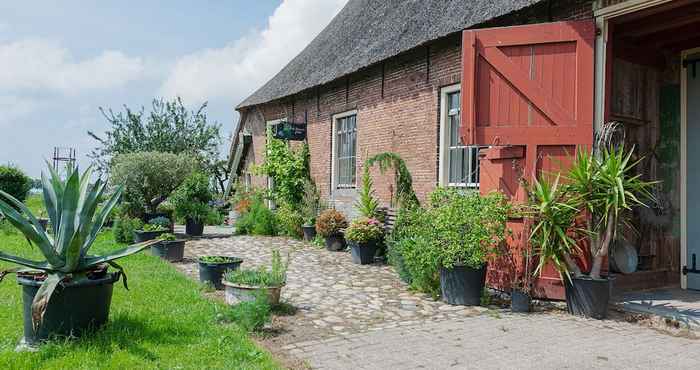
(163, 322)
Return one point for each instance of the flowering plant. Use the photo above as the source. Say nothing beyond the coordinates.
(364, 230)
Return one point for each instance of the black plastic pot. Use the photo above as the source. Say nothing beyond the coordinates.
(169, 250)
(309, 232)
(363, 253)
(520, 301)
(588, 297)
(74, 309)
(462, 285)
(335, 242)
(143, 236)
(194, 227)
(211, 273)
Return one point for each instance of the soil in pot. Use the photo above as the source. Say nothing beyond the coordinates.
(588, 297)
(520, 301)
(169, 250)
(194, 228)
(144, 236)
(363, 253)
(309, 232)
(75, 308)
(236, 294)
(462, 285)
(335, 243)
(213, 272)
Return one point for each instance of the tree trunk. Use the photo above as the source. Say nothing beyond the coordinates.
(573, 266)
(604, 247)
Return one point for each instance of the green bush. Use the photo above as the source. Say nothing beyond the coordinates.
(124, 227)
(14, 182)
(214, 218)
(252, 315)
(260, 220)
(405, 229)
(150, 177)
(191, 199)
(289, 220)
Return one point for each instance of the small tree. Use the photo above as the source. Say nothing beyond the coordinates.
(14, 182)
(367, 204)
(149, 178)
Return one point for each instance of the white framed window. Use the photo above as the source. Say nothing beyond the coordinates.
(344, 164)
(459, 163)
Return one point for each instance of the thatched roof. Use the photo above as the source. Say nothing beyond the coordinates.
(366, 32)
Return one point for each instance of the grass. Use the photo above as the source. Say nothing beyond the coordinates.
(163, 322)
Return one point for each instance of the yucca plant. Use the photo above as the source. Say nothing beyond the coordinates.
(71, 206)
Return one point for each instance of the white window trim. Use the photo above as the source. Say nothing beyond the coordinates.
(334, 154)
(443, 168)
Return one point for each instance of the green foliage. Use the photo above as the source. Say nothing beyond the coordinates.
(289, 220)
(218, 259)
(148, 178)
(367, 204)
(152, 228)
(71, 206)
(161, 221)
(252, 315)
(330, 222)
(405, 195)
(262, 278)
(168, 237)
(14, 182)
(318, 241)
(311, 204)
(214, 217)
(124, 227)
(363, 230)
(168, 128)
(288, 168)
(405, 229)
(191, 198)
(259, 220)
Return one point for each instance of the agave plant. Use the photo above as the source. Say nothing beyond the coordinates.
(71, 206)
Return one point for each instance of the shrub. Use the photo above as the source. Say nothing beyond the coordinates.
(168, 237)
(287, 166)
(364, 230)
(161, 221)
(149, 178)
(191, 199)
(367, 204)
(263, 278)
(243, 206)
(260, 220)
(151, 228)
(14, 182)
(214, 217)
(310, 203)
(124, 227)
(330, 222)
(289, 220)
(252, 315)
(405, 228)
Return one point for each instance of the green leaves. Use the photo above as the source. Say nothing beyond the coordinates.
(289, 169)
(367, 204)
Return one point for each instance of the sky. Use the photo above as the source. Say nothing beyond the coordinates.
(60, 61)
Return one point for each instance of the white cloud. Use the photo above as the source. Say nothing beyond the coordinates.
(232, 72)
(39, 64)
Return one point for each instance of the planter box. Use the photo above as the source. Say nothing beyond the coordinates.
(169, 250)
(74, 308)
(588, 297)
(213, 272)
(363, 253)
(335, 243)
(144, 236)
(235, 294)
(462, 285)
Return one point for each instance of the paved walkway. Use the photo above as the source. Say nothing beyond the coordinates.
(363, 317)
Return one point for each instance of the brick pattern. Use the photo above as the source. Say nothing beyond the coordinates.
(398, 109)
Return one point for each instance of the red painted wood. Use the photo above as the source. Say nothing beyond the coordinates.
(530, 88)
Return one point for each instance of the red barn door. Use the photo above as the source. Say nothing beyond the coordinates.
(527, 93)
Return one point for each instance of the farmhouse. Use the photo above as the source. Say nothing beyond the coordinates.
(487, 94)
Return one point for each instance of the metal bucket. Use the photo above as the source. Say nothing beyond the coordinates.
(624, 258)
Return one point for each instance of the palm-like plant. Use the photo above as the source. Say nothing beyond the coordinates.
(71, 206)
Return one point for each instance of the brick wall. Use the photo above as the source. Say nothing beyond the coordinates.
(398, 109)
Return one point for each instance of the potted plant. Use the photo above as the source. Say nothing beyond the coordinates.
(521, 285)
(364, 236)
(601, 190)
(464, 229)
(212, 269)
(170, 248)
(310, 207)
(71, 290)
(191, 202)
(149, 232)
(330, 225)
(245, 285)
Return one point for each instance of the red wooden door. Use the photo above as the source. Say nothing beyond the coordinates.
(527, 93)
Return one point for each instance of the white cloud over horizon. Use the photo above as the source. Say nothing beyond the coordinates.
(233, 72)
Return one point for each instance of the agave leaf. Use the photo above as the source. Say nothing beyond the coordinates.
(43, 266)
(50, 199)
(100, 220)
(4, 273)
(34, 233)
(43, 296)
(65, 232)
(121, 273)
(88, 262)
(56, 186)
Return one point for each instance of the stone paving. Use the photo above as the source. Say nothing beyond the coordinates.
(363, 317)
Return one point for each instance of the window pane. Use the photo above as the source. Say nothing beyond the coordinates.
(456, 163)
(454, 131)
